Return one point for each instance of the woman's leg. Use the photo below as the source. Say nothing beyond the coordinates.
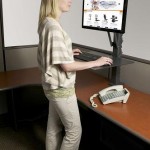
(67, 108)
(54, 129)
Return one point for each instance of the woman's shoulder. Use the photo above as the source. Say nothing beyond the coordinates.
(52, 23)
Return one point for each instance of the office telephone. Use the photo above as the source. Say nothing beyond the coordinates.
(111, 94)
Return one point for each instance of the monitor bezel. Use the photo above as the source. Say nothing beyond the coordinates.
(125, 5)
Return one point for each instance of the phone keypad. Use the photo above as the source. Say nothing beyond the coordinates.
(112, 95)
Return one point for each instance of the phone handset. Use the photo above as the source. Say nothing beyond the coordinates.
(112, 94)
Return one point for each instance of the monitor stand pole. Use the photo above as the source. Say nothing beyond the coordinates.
(117, 55)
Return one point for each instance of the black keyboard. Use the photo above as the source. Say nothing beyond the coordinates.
(87, 56)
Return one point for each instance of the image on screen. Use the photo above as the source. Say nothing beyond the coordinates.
(105, 15)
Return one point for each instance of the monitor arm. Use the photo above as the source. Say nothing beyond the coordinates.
(117, 55)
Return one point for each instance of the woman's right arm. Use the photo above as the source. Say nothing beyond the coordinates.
(77, 65)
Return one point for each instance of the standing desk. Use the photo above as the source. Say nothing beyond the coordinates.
(130, 122)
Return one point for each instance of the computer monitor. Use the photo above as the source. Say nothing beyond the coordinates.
(104, 15)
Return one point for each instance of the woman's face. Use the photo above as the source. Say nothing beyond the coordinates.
(65, 5)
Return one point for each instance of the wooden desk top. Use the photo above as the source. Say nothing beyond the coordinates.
(134, 116)
(18, 78)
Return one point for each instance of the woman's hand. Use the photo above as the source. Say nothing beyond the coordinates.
(79, 65)
(76, 51)
(103, 61)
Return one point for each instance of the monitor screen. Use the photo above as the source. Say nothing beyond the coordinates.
(105, 15)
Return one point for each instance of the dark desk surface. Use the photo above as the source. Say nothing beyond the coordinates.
(18, 78)
(134, 116)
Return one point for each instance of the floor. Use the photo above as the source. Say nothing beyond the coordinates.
(29, 136)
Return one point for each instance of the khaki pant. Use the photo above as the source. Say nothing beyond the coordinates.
(63, 113)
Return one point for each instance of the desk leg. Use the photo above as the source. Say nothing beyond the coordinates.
(12, 109)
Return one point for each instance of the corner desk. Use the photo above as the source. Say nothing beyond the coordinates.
(12, 80)
(117, 123)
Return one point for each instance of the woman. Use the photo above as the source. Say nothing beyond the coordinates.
(58, 67)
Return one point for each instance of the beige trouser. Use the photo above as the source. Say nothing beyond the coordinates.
(63, 113)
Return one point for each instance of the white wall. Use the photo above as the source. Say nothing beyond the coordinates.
(136, 38)
(20, 19)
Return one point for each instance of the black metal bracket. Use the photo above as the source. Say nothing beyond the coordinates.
(117, 57)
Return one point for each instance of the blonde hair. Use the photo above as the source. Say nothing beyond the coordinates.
(48, 8)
